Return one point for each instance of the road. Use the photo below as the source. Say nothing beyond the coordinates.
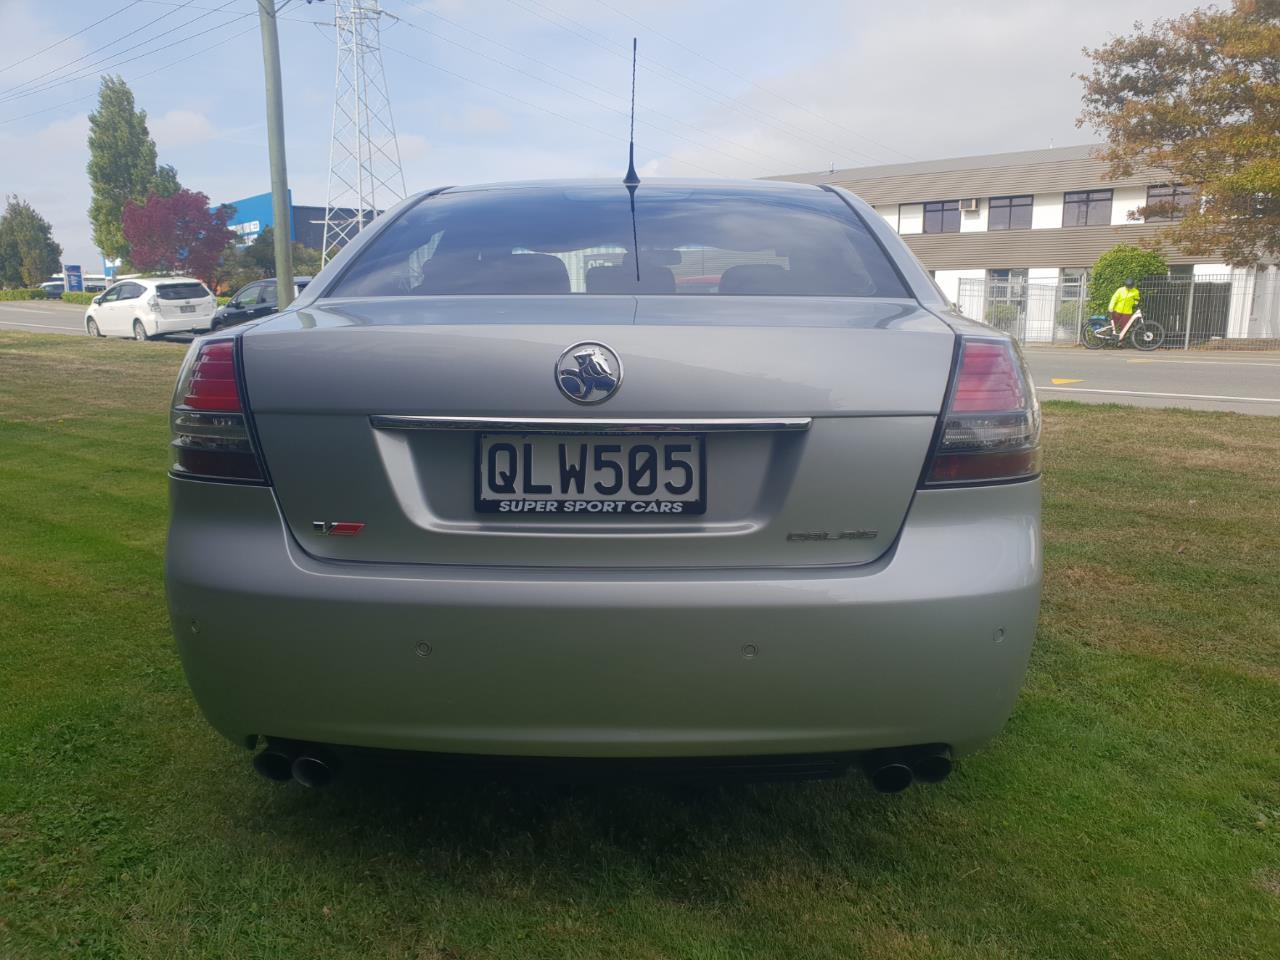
(53, 316)
(1247, 383)
(1201, 380)
(41, 316)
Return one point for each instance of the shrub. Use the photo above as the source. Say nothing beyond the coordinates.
(1115, 266)
(1002, 316)
(82, 298)
(22, 293)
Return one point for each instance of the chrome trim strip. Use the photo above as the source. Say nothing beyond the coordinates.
(589, 424)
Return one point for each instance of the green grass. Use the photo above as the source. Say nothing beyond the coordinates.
(1131, 808)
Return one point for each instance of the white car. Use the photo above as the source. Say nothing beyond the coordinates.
(147, 307)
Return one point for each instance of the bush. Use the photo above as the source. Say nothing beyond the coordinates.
(1119, 263)
(22, 293)
(82, 298)
(1002, 316)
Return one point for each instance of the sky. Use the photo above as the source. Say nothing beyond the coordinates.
(485, 90)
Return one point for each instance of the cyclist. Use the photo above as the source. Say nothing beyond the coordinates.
(1123, 302)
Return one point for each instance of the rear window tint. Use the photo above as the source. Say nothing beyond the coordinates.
(181, 291)
(691, 241)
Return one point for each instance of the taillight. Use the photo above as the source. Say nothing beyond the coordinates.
(211, 437)
(991, 424)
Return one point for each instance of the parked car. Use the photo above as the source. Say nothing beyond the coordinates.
(471, 494)
(148, 307)
(52, 289)
(257, 299)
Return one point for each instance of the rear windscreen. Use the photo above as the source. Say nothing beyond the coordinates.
(688, 241)
(181, 291)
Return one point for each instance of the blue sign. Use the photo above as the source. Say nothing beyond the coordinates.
(72, 278)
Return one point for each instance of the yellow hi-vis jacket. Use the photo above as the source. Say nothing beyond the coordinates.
(1124, 300)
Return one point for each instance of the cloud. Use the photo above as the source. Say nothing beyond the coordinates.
(181, 128)
(46, 167)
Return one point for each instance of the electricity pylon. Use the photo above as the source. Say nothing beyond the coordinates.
(364, 158)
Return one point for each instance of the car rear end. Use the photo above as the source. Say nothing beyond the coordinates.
(804, 520)
(179, 306)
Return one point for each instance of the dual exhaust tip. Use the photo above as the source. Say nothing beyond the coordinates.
(285, 760)
(895, 769)
(890, 770)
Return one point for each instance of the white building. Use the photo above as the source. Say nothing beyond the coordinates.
(1039, 218)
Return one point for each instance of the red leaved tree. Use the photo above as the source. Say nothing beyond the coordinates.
(177, 234)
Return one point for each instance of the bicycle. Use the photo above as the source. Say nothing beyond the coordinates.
(1143, 334)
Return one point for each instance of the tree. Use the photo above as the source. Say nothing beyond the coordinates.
(1117, 265)
(122, 164)
(1197, 96)
(257, 260)
(177, 234)
(165, 182)
(28, 253)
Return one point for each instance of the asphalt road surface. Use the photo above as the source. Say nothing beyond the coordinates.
(1217, 380)
(1201, 380)
(53, 316)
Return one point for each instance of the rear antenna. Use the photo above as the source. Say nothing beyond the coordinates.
(632, 179)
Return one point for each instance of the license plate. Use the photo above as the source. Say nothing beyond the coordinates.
(187, 308)
(598, 476)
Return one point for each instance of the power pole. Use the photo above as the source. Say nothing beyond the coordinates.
(275, 148)
(364, 155)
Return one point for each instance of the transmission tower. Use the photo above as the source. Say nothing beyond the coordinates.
(364, 158)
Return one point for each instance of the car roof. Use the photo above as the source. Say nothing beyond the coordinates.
(158, 280)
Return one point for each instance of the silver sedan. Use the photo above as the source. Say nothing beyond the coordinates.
(682, 472)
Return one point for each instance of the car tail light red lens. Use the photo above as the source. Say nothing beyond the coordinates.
(991, 424)
(211, 437)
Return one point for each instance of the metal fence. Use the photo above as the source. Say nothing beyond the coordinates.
(1237, 312)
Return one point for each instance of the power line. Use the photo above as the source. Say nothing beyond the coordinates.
(674, 76)
(745, 79)
(70, 36)
(97, 67)
(142, 76)
(577, 79)
(528, 103)
(83, 56)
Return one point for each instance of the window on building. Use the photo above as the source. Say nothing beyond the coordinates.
(1086, 208)
(1075, 280)
(942, 216)
(1169, 201)
(1009, 213)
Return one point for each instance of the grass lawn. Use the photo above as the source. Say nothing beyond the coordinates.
(1131, 808)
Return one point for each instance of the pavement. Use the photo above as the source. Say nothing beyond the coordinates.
(1202, 380)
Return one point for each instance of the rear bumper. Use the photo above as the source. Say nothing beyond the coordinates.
(191, 322)
(928, 644)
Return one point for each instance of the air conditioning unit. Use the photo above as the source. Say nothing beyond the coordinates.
(970, 205)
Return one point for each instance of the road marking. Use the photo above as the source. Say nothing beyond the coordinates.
(38, 326)
(1213, 363)
(1175, 396)
(1057, 380)
(44, 312)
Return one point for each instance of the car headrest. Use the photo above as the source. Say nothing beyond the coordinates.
(755, 278)
(511, 273)
(622, 279)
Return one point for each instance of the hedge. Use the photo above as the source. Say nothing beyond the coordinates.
(23, 293)
(84, 299)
